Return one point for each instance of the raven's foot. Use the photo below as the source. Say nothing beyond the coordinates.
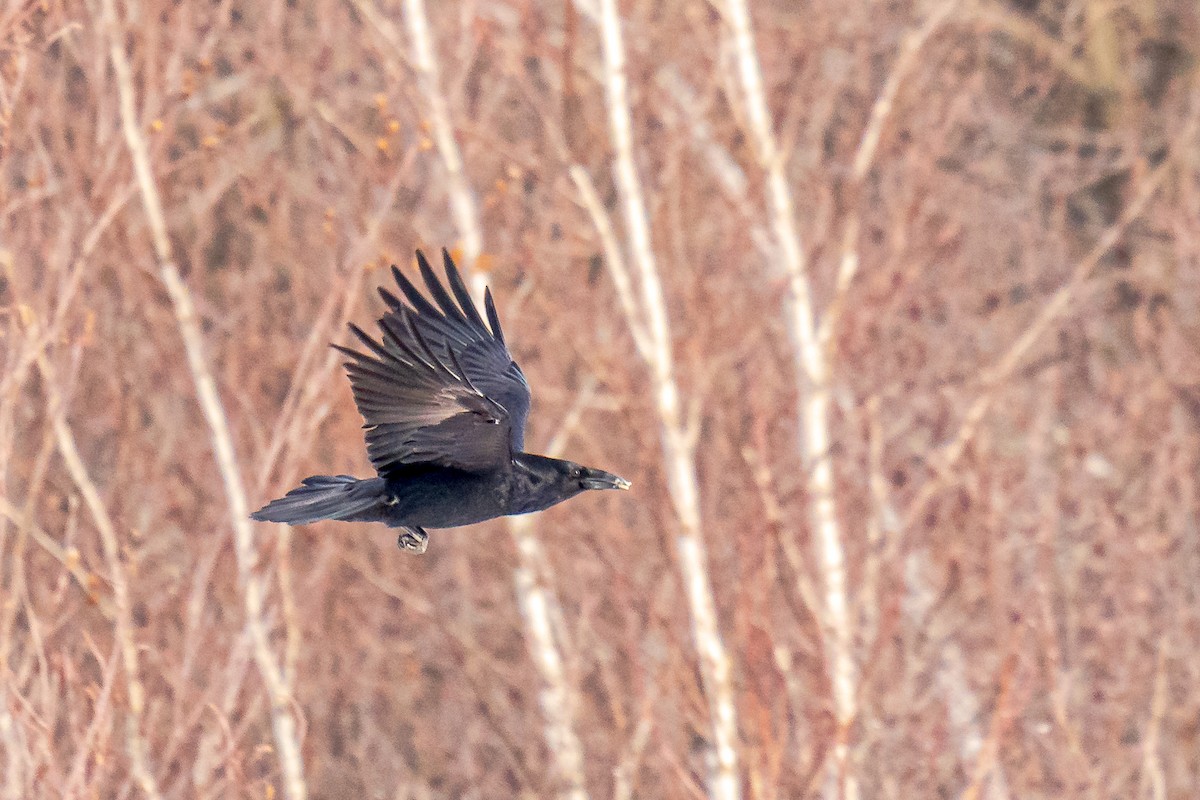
(413, 539)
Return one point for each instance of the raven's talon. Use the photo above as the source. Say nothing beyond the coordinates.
(413, 539)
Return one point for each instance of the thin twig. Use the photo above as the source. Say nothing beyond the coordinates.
(963, 709)
(984, 777)
(102, 708)
(65, 295)
(623, 773)
(614, 259)
(716, 156)
(1154, 778)
(1025, 29)
(864, 158)
(68, 557)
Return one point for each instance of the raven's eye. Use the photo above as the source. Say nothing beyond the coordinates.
(577, 473)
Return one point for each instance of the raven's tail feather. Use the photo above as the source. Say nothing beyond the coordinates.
(341, 497)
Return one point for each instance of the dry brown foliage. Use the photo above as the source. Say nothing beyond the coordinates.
(995, 221)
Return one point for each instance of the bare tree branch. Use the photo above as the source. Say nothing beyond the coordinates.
(864, 158)
(282, 710)
(538, 601)
(812, 364)
(462, 198)
(715, 666)
(993, 378)
(614, 258)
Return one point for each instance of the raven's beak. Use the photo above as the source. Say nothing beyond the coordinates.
(599, 479)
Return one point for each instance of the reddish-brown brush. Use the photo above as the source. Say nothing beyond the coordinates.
(890, 312)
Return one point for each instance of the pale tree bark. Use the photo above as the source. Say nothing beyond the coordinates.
(535, 592)
(462, 199)
(812, 342)
(283, 714)
(648, 320)
(813, 365)
(964, 712)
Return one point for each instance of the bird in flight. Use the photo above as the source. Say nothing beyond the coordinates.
(444, 406)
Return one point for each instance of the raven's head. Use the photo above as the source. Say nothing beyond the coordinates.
(540, 482)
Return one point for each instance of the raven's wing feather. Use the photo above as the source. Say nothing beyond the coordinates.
(420, 405)
(454, 330)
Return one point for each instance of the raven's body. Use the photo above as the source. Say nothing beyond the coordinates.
(445, 408)
(437, 497)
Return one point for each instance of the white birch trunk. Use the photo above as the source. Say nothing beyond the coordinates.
(715, 667)
(813, 370)
(283, 719)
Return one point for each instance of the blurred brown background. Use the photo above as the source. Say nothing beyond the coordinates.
(890, 311)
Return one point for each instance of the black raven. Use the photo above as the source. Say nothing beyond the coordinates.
(445, 406)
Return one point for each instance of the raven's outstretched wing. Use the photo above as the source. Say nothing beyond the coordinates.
(420, 406)
(456, 333)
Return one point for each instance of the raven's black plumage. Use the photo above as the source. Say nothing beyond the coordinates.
(445, 408)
